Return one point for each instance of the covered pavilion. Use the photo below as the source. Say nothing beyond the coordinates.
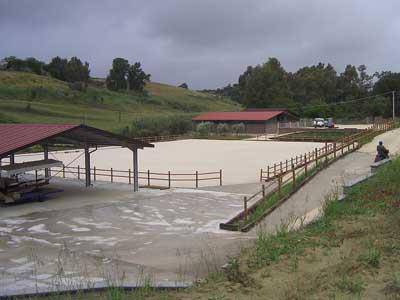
(18, 137)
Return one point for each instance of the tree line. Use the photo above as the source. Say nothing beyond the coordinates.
(313, 91)
(122, 75)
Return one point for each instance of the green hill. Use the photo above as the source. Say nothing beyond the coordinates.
(30, 98)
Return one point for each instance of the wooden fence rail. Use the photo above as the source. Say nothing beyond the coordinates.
(339, 147)
(150, 178)
(287, 177)
(164, 138)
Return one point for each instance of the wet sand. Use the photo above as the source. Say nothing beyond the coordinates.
(240, 161)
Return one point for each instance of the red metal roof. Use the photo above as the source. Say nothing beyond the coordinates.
(16, 136)
(239, 116)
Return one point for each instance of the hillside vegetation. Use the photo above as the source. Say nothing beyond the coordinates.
(31, 98)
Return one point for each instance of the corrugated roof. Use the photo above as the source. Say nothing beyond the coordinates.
(238, 116)
(15, 137)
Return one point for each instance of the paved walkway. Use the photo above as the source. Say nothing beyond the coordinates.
(310, 198)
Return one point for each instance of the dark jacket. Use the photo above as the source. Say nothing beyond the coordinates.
(382, 151)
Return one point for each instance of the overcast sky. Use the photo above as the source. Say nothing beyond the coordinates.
(206, 43)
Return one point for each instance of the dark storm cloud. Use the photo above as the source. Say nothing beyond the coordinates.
(206, 43)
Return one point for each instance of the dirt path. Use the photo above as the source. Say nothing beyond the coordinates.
(309, 199)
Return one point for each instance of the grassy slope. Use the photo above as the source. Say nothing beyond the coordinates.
(52, 101)
(352, 252)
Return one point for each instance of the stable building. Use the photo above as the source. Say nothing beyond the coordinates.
(256, 121)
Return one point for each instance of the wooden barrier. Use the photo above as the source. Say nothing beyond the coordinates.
(286, 181)
(163, 138)
(150, 178)
(322, 154)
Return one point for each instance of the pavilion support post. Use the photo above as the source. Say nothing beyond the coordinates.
(46, 156)
(12, 159)
(88, 180)
(135, 170)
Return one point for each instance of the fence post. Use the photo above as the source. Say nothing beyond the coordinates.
(268, 172)
(305, 164)
(261, 174)
(129, 176)
(293, 177)
(245, 207)
(79, 173)
(94, 173)
(112, 178)
(63, 171)
(274, 170)
(148, 178)
(263, 190)
(342, 146)
(36, 177)
(169, 179)
(316, 157)
(286, 166)
(280, 164)
(334, 150)
(220, 177)
(326, 153)
(279, 186)
(197, 179)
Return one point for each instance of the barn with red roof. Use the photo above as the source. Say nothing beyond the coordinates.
(256, 121)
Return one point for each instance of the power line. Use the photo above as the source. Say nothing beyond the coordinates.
(350, 101)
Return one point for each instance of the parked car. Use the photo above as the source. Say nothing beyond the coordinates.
(329, 123)
(319, 122)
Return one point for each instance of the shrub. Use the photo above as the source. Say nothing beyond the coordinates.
(77, 86)
(161, 125)
(222, 128)
(204, 128)
(238, 128)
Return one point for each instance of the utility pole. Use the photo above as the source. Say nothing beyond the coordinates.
(393, 100)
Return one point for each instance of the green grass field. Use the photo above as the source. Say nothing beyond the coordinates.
(30, 98)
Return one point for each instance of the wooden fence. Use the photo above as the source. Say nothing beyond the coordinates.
(150, 179)
(164, 138)
(286, 177)
(339, 147)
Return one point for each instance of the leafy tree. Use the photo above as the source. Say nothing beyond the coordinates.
(137, 77)
(35, 65)
(184, 85)
(57, 68)
(15, 64)
(265, 85)
(348, 84)
(313, 83)
(117, 78)
(387, 81)
(76, 71)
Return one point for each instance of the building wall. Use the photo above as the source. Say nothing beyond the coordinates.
(261, 127)
(269, 127)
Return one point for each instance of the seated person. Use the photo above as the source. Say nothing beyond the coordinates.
(382, 152)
